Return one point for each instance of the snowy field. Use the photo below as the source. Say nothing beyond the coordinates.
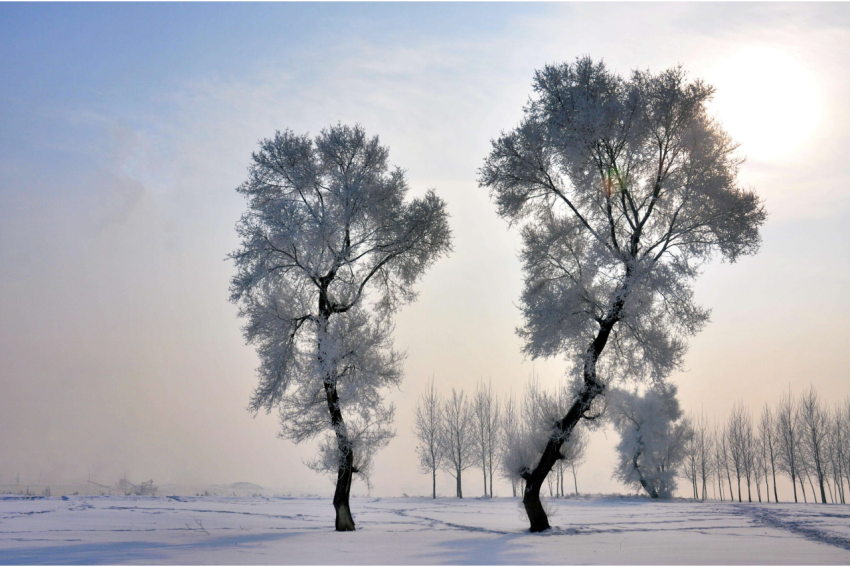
(222, 530)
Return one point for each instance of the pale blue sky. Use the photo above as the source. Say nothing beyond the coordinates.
(126, 128)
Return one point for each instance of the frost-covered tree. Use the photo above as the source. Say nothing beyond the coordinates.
(487, 416)
(539, 410)
(458, 438)
(623, 188)
(815, 424)
(511, 432)
(573, 450)
(573, 454)
(330, 248)
(428, 421)
(788, 455)
(653, 440)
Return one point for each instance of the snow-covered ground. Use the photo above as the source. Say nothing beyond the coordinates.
(221, 530)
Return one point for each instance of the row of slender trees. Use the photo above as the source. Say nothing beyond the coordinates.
(489, 433)
(803, 439)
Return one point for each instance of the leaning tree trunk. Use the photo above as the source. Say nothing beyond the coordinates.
(344, 521)
(591, 388)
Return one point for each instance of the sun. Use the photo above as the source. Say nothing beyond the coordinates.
(767, 101)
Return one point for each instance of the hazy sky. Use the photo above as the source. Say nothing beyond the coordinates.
(125, 128)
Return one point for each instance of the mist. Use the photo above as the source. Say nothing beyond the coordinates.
(127, 129)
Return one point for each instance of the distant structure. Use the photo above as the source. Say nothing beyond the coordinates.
(130, 489)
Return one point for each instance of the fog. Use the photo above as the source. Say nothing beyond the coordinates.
(127, 128)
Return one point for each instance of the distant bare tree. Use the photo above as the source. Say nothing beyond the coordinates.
(427, 427)
(719, 460)
(735, 435)
(842, 419)
(768, 440)
(839, 444)
(788, 461)
(487, 414)
(815, 424)
(689, 466)
(748, 452)
(457, 439)
(703, 438)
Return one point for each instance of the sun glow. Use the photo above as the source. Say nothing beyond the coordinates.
(767, 101)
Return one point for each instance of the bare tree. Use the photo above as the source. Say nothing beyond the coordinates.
(428, 421)
(788, 461)
(486, 411)
(458, 439)
(748, 452)
(842, 419)
(735, 435)
(815, 424)
(689, 465)
(768, 440)
(625, 187)
(703, 439)
(719, 460)
(839, 445)
(329, 250)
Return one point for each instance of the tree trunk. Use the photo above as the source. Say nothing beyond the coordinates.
(344, 521)
(813, 488)
(804, 492)
(575, 486)
(485, 475)
(591, 388)
(821, 483)
(794, 488)
(458, 492)
(774, 485)
(767, 489)
(730, 484)
(434, 484)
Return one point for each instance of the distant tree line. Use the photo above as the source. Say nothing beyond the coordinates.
(803, 439)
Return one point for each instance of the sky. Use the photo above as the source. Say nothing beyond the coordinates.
(127, 127)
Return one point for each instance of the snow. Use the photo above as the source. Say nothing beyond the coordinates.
(600, 530)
